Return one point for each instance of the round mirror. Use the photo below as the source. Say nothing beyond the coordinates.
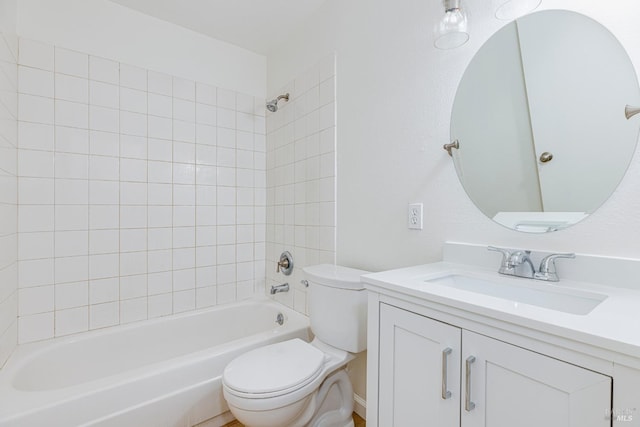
(539, 117)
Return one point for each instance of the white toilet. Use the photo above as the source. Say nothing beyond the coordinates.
(294, 383)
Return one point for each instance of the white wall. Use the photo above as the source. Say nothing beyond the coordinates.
(106, 29)
(395, 92)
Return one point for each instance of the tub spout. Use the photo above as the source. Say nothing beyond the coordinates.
(279, 288)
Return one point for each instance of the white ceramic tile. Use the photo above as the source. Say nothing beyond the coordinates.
(226, 254)
(184, 194)
(244, 140)
(133, 310)
(104, 119)
(206, 135)
(133, 170)
(206, 276)
(133, 100)
(35, 136)
(35, 218)
(104, 315)
(184, 132)
(205, 155)
(104, 241)
(70, 88)
(72, 192)
(71, 295)
(71, 243)
(39, 299)
(160, 216)
(71, 114)
(133, 286)
(37, 164)
(327, 116)
(133, 123)
(71, 165)
(35, 109)
(35, 327)
(104, 216)
(36, 54)
(184, 258)
(226, 98)
(71, 62)
(244, 122)
(71, 217)
(226, 138)
(225, 177)
(159, 239)
(103, 266)
(104, 70)
(184, 89)
(160, 149)
(160, 127)
(206, 114)
(184, 173)
(104, 94)
(71, 269)
(133, 263)
(159, 283)
(206, 195)
(160, 305)
(184, 301)
(103, 193)
(184, 216)
(160, 172)
(133, 217)
(34, 81)
(244, 103)
(160, 105)
(159, 261)
(72, 140)
(104, 290)
(36, 191)
(206, 94)
(184, 110)
(133, 77)
(133, 240)
(160, 83)
(184, 237)
(71, 321)
(134, 147)
(226, 157)
(226, 118)
(160, 194)
(206, 256)
(104, 168)
(35, 245)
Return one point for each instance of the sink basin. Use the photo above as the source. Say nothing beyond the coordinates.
(540, 294)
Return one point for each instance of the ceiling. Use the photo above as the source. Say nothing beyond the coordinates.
(256, 25)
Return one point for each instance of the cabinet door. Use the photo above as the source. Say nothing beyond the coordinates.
(414, 365)
(511, 386)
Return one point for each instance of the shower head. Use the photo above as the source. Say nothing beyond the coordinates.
(273, 104)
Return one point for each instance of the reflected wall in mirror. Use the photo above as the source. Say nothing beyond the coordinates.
(539, 116)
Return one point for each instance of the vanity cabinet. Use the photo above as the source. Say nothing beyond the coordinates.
(436, 374)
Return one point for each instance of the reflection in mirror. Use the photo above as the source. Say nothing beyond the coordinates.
(539, 116)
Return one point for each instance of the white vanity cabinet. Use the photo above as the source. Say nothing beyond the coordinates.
(436, 374)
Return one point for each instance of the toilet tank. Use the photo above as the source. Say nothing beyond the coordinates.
(338, 306)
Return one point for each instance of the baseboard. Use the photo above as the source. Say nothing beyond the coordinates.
(360, 406)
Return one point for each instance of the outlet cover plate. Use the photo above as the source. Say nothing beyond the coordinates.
(414, 216)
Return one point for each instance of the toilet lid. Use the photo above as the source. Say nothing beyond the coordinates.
(274, 367)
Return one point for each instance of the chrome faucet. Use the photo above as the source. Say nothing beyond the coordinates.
(512, 263)
(275, 289)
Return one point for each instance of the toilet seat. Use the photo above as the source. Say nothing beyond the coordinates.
(274, 370)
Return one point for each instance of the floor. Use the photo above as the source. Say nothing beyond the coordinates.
(359, 422)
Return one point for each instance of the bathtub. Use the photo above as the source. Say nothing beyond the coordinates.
(158, 373)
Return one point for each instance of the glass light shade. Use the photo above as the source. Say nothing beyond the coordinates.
(451, 31)
(512, 9)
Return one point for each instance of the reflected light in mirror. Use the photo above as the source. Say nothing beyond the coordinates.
(451, 31)
(512, 9)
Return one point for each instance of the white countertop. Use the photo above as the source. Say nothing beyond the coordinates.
(614, 325)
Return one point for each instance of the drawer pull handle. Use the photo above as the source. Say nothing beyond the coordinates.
(445, 393)
(468, 404)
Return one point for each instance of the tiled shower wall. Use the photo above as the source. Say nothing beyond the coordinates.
(140, 194)
(8, 195)
(301, 178)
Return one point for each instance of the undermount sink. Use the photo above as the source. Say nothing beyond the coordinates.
(540, 294)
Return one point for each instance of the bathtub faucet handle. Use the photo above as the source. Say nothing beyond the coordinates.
(285, 264)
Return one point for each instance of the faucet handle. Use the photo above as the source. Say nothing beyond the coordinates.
(547, 270)
(506, 254)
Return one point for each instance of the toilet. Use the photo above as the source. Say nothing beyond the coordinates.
(294, 383)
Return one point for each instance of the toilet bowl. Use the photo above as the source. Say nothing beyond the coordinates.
(294, 383)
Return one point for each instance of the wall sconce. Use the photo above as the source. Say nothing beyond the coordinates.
(451, 30)
(512, 9)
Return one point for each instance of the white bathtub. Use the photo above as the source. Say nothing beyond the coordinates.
(162, 372)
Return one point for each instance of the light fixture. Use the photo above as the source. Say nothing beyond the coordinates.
(512, 9)
(451, 30)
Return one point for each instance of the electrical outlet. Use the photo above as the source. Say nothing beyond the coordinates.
(415, 216)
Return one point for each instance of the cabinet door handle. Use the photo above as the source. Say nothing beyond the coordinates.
(445, 393)
(468, 404)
